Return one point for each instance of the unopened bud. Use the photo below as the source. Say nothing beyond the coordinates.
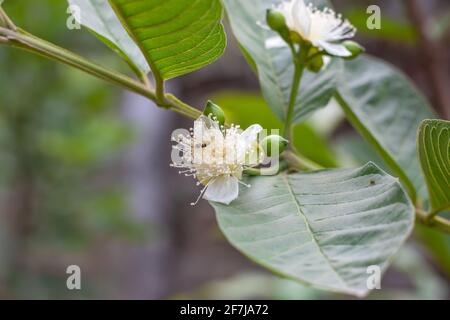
(215, 112)
(315, 60)
(277, 23)
(355, 48)
(276, 142)
(275, 20)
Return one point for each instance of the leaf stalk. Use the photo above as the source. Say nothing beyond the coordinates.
(23, 40)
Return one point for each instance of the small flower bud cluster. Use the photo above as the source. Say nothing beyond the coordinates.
(322, 33)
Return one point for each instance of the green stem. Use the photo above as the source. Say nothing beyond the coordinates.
(436, 222)
(272, 171)
(435, 212)
(299, 58)
(160, 95)
(144, 79)
(300, 162)
(293, 97)
(179, 106)
(6, 21)
(23, 40)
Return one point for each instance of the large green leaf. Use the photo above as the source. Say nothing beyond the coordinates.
(99, 17)
(387, 110)
(274, 66)
(176, 36)
(322, 228)
(433, 144)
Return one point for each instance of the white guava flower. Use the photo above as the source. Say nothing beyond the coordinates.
(324, 29)
(217, 156)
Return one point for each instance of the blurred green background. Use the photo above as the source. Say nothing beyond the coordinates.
(85, 175)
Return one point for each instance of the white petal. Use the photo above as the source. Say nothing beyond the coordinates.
(251, 134)
(247, 145)
(222, 189)
(209, 123)
(301, 18)
(326, 61)
(286, 9)
(275, 42)
(333, 48)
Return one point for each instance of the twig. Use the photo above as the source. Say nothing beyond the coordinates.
(436, 222)
(300, 162)
(22, 39)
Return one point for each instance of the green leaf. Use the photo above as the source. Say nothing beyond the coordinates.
(433, 144)
(386, 109)
(393, 29)
(100, 19)
(353, 150)
(321, 228)
(176, 36)
(274, 66)
(438, 245)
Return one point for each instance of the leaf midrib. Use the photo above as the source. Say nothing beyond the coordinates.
(428, 153)
(307, 224)
(124, 21)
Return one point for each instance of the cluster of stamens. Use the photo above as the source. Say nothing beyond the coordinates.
(331, 24)
(212, 151)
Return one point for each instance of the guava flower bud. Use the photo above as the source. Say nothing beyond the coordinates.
(215, 112)
(315, 60)
(273, 143)
(354, 48)
(275, 20)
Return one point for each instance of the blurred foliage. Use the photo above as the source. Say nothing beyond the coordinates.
(393, 29)
(252, 285)
(440, 26)
(438, 245)
(418, 281)
(60, 137)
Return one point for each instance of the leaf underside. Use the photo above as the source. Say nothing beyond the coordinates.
(433, 143)
(323, 228)
(99, 17)
(387, 110)
(176, 36)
